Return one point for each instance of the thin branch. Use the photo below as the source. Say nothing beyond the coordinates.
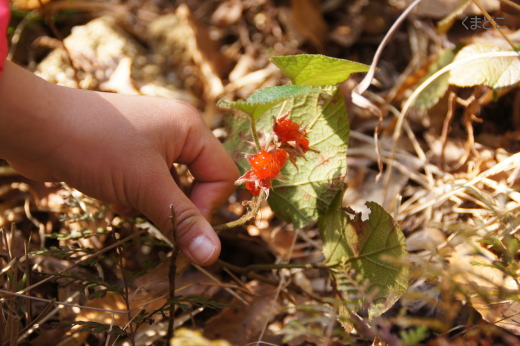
(254, 133)
(125, 296)
(171, 275)
(271, 266)
(488, 17)
(256, 201)
(220, 284)
(365, 83)
(59, 303)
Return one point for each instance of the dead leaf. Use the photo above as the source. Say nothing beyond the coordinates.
(280, 240)
(487, 286)
(242, 324)
(188, 337)
(308, 20)
(108, 302)
(505, 314)
(205, 47)
(153, 284)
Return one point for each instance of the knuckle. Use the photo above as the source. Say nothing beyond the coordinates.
(187, 220)
(189, 110)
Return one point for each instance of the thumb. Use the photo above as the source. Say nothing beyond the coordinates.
(194, 235)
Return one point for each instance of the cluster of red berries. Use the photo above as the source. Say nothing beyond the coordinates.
(289, 142)
(289, 131)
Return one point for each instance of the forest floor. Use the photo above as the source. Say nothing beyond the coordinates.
(75, 272)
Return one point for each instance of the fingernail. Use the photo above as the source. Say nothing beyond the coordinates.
(201, 249)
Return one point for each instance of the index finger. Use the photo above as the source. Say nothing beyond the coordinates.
(211, 165)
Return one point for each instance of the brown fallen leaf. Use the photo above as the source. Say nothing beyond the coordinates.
(488, 287)
(308, 20)
(242, 324)
(504, 314)
(187, 337)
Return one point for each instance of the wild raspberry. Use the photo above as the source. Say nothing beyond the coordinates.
(267, 165)
(253, 183)
(286, 129)
(255, 190)
(281, 157)
(293, 138)
(302, 143)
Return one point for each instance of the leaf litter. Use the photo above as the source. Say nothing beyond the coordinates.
(453, 190)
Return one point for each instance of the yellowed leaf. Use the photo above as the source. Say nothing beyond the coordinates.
(505, 314)
(241, 323)
(308, 20)
(188, 337)
(491, 291)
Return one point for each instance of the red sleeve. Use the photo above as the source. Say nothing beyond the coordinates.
(4, 22)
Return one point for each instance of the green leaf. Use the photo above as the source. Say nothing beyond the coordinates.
(366, 257)
(301, 195)
(264, 99)
(495, 72)
(436, 90)
(414, 336)
(306, 192)
(317, 70)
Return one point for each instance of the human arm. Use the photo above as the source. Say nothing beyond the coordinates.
(4, 22)
(119, 149)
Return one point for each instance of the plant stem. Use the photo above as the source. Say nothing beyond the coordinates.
(256, 201)
(254, 133)
(271, 266)
(126, 295)
(488, 17)
(171, 276)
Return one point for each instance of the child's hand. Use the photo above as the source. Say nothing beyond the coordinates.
(119, 149)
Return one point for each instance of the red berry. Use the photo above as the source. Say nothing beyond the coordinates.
(303, 143)
(260, 159)
(281, 157)
(267, 165)
(286, 129)
(252, 187)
